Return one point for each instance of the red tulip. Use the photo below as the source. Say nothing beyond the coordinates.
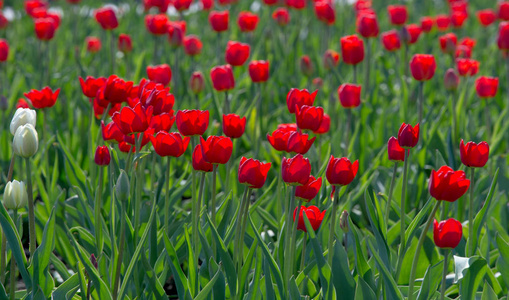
(160, 74)
(99, 110)
(503, 36)
(330, 59)
(297, 4)
(236, 53)
(467, 67)
(468, 42)
(349, 95)
(222, 78)
(394, 150)
(486, 17)
(234, 126)
(192, 122)
(426, 24)
(474, 155)
(181, 5)
(463, 52)
(443, 22)
(423, 66)
(324, 125)
(411, 33)
(451, 80)
(298, 98)
(176, 34)
(3, 21)
(309, 117)
(503, 10)
(247, 21)
(206, 4)
(313, 214)
(281, 16)
(199, 162)
(45, 28)
(117, 90)
(296, 170)
(43, 98)
(111, 132)
(352, 49)
(169, 144)
(398, 14)
(197, 82)
(106, 17)
(259, 70)
(31, 6)
(340, 171)
(486, 87)
(367, 25)
(391, 40)
(219, 20)
(408, 136)
(162, 5)
(192, 45)
(216, 149)
(270, 2)
(448, 185)
(102, 156)
(458, 18)
(309, 190)
(22, 104)
(4, 50)
(298, 142)
(157, 24)
(133, 120)
(324, 11)
(447, 234)
(279, 138)
(125, 43)
(253, 173)
(93, 44)
(448, 42)
(306, 66)
(91, 85)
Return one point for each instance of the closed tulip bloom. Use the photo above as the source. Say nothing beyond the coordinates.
(206, 4)
(340, 171)
(22, 104)
(125, 43)
(4, 50)
(298, 98)
(423, 66)
(306, 66)
(157, 24)
(43, 98)
(398, 14)
(21, 117)
(447, 184)
(253, 173)
(313, 214)
(160, 74)
(296, 170)
(352, 49)
(197, 82)
(281, 16)
(102, 156)
(91, 85)
(106, 17)
(349, 95)
(486, 87)
(117, 90)
(448, 42)
(297, 4)
(222, 78)
(93, 44)
(367, 25)
(443, 22)
(192, 122)
(451, 80)
(391, 40)
(468, 42)
(486, 17)
(426, 24)
(218, 20)
(467, 66)
(192, 45)
(458, 18)
(26, 141)
(309, 117)
(247, 21)
(259, 70)
(408, 136)
(175, 34)
(15, 195)
(411, 33)
(503, 36)
(324, 125)
(298, 142)
(32, 5)
(463, 52)
(181, 5)
(394, 150)
(324, 11)
(308, 191)
(237, 53)
(447, 234)
(169, 144)
(216, 149)
(279, 138)
(330, 59)
(270, 2)
(199, 162)
(474, 155)
(234, 126)
(503, 10)
(45, 28)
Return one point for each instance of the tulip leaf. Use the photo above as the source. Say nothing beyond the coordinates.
(219, 290)
(341, 275)
(377, 223)
(364, 291)
(431, 281)
(391, 288)
(67, 289)
(488, 293)
(363, 268)
(204, 293)
(418, 220)
(180, 279)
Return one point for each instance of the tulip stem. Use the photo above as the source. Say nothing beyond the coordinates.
(293, 245)
(368, 66)
(402, 243)
(335, 205)
(120, 251)
(167, 197)
(303, 253)
(112, 53)
(12, 285)
(244, 216)
(355, 74)
(11, 167)
(97, 210)
(471, 246)
(444, 273)
(3, 258)
(389, 199)
(31, 214)
(226, 104)
(288, 269)
(487, 120)
(418, 251)
(236, 243)
(196, 217)
(139, 187)
(213, 198)
(421, 100)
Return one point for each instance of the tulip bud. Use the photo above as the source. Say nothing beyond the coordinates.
(122, 187)
(306, 66)
(102, 156)
(15, 195)
(343, 221)
(21, 117)
(93, 260)
(451, 80)
(4, 105)
(317, 83)
(26, 141)
(196, 83)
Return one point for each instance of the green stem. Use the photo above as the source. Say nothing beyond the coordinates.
(288, 233)
(97, 210)
(237, 242)
(389, 199)
(120, 252)
(368, 66)
(293, 245)
(245, 215)
(454, 122)
(112, 52)
(12, 282)
(196, 217)
(402, 244)
(139, 187)
(471, 246)
(421, 100)
(167, 196)
(355, 74)
(3, 258)
(335, 205)
(213, 197)
(31, 213)
(487, 120)
(303, 253)
(444, 274)
(226, 103)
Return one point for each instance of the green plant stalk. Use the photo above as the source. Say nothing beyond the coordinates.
(245, 216)
(228, 169)
(12, 282)
(197, 216)
(213, 197)
(167, 196)
(139, 187)
(303, 253)
(487, 120)
(237, 242)
(97, 211)
(444, 274)
(120, 252)
(45, 150)
(389, 199)
(335, 206)
(293, 245)
(418, 251)
(355, 74)
(288, 234)
(112, 54)
(368, 66)
(421, 100)
(31, 214)
(3, 258)
(226, 109)
(453, 112)
(471, 246)
(402, 246)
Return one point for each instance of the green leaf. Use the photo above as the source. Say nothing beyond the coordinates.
(156, 288)
(432, 279)
(219, 290)
(294, 290)
(470, 272)
(179, 277)
(341, 275)
(363, 268)
(418, 220)
(204, 293)
(364, 291)
(376, 220)
(390, 285)
(67, 289)
(488, 293)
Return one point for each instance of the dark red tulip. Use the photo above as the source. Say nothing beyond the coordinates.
(297, 4)
(443, 22)
(458, 18)
(306, 66)
(467, 66)
(451, 80)
(162, 5)
(391, 40)
(181, 5)
(394, 150)
(309, 190)
(157, 24)
(222, 78)
(111, 132)
(340, 171)
(367, 25)
(298, 142)
(234, 126)
(313, 214)
(176, 34)
(270, 2)
(279, 138)
(324, 11)
(160, 74)
(447, 184)
(133, 120)
(352, 49)
(361, 5)
(31, 6)
(106, 17)
(474, 155)
(199, 162)
(192, 45)
(324, 126)
(463, 52)
(330, 59)
(117, 90)
(296, 170)
(423, 66)
(503, 10)
(298, 98)
(102, 156)
(309, 117)
(236, 53)
(398, 14)
(99, 110)
(253, 173)
(247, 21)
(192, 122)
(411, 33)
(259, 70)
(219, 20)
(447, 234)
(93, 44)
(486, 17)
(125, 43)
(91, 85)
(281, 16)
(4, 50)
(206, 4)
(3, 21)
(349, 95)
(468, 42)
(216, 149)
(197, 82)
(43, 98)
(486, 87)
(45, 28)
(448, 42)
(426, 24)
(408, 136)
(169, 144)
(503, 36)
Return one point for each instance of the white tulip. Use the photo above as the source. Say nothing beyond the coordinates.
(21, 117)
(15, 195)
(26, 141)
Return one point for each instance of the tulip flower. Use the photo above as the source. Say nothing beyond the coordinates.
(279, 138)
(411, 33)
(236, 53)
(206, 4)
(15, 195)
(218, 20)
(90, 86)
(486, 87)
(247, 21)
(330, 59)
(352, 49)
(26, 141)
(367, 25)
(298, 142)
(297, 4)
(102, 156)
(216, 149)
(448, 185)
(408, 136)
(309, 117)
(324, 11)
(309, 190)
(192, 45)
(306, 66)
(349, 95)
(394, 150)
(22, 104)
(160, 74)
(398, 14)
(192, 122)
(125, 43)
(443, 22)
(340, 171)
(391, 40)
(234, 126)
(199, 162)
(181, 5)
(426, 24)
(176, 34)
(467, 67)
(45, 28)
(93, 44)
(4, 50)
(458, 18)
(423, 66)
(33, 5)
(486, 17)
(222, 78)
(296, 170)
(197, 82)
(169, 144)
(43, 98)
(503, 10)
(503, 36)
(106, 17)
(313, 214)
(447, 234)
(448, 42)
(133, 120)
(474, 155)
(253, 173)
(324, 126)
(259, 71)
(298, 98)
(21, 117)
(281, 16)
(157, 24)
(111, 132)
(117, 90)
(451, 80)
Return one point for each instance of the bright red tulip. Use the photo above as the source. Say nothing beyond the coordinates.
(367, 25)
(197, 82)
(330, 59)
(93, 44)
(22, 104)
(447, 184)
(309, 190)
(102, 156)
(448, 42)
(157, 24)
(298, 142)
(398, 14)
(486, 17)
(447, 234)
(324, 126)
(45, 28)
(270, 2)
(206, 4)
(216, 149)
(247, 21)
(426, 24)
(100, 110)
(236, 53)
(259, 70)
(111, 132)
(281, 16)
(234, 126)
(169, 144)
(160, 74)
(117, 90)
(340, 171)
(408, 136)
(219, 20)
(279, 138)
(298, 98)
(391, 40)
(199, 162)
(394, 150)
(503, 36)
(106, 17)
(4, 50)
(467, 66)
(43, 98)
(309, 117)
(222, 78)
(296, 170)
(91, 85)
(503, 10)
(31, 6)
(458, 18)
(181, 5)
(486, 87)
(443, 22)
(133, 120)
(467, 42)
(253, 173)
(192, 45)
(451, 80)
(297, 4)
(352, 49)
(324, 11)
(474, 155)
(411, 33)
(125, 43)
(423, 66)
(313, 214)
(349, 95)
(162, 5)
(192, 122)
(463, 52)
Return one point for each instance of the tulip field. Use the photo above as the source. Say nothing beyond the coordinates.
(254, 149)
